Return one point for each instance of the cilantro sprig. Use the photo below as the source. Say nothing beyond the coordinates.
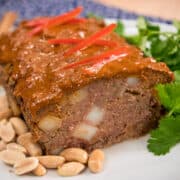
(165, 47)
(166, 136)
(168, 133)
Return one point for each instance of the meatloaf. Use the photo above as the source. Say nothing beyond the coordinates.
(70, 104)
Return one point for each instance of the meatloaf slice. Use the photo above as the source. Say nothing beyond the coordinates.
(78, 107)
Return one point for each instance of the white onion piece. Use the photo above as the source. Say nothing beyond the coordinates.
(95, 116)
(85, 131)
(49, 123)
(132, 81)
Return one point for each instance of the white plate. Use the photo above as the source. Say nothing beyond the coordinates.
(129, 160)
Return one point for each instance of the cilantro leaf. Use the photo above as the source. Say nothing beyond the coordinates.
(163, 46)
(177, 76)
(145, 27)
(169, 95)
(168, 133)
(177, 25)
(119, 28)
(166, 136)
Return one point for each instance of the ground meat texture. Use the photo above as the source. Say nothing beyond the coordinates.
(102, 113)
(70, 108)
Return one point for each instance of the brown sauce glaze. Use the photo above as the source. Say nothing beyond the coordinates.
(37, 65)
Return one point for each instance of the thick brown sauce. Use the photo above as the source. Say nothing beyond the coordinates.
(37, 64)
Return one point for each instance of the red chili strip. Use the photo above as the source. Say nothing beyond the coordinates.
(41, 21)
(98, 58)
(91, 39)
(36, 22)
(64, 17)
(35, 30)
(75, 41)
(54, 21)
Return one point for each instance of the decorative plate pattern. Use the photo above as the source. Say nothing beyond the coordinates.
(31, 8)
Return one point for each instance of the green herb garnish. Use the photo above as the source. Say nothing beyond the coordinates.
(120, 28)
(165, 136)
(168, 133)
(164, 47)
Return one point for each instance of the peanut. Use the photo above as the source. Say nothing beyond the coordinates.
(7, 132)
(18, 125)
(2, 145)
(26, 165)
(51, 161)
(16, 147)
(3, 122)
(26, 140)
(70, 169)
(5, 112)
(11, 156)
(75, 154)
(40, 170)
(96, 161)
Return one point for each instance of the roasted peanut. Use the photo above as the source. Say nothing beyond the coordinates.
(70, 169)
(40, 170)
(26, 165)
(7, 132)
(2, 145)
(3, 122)
(11, 156)
(51, 161)
(18, 125)
(26, 140)
(5, 112)
(96, 161)
(16, 147)
(75, 154)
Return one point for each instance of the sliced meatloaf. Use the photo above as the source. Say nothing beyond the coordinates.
(70, 104)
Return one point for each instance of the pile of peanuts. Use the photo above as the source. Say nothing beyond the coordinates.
(18, 149)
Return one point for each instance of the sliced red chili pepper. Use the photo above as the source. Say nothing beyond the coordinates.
(43, 20)
(36, 30)
(64, 17)
(36, 22)
(100, 63)
(74, 41)
(90, 40)
(98, 58)
(54, 20)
